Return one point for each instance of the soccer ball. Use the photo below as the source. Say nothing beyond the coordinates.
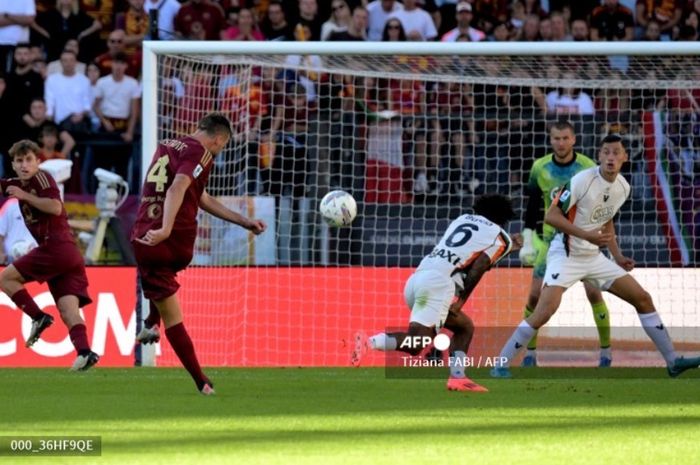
(338, 208)
(20, 249)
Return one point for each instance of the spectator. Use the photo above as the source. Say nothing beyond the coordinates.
(455, 126)
(68, 96)
(13, 231)
(275, 25)
(308, 20)
(384, 168)
(339, 20)
(65, 22)
(134, 23)
(689, 30)
(358, 27)
(289, 135)
(15, 18)
(48, 143)
(652, 32)
(666, 13)
(578, 9)
(612, 21)
(579, 30)
(116, 104)
(93, 74)
(379, 12)
(167, 10)
(517, 15)
(247, 28)
(39, 66)
(534, 7)
(530, 31)
(569, 101)
(102, 11)
(560, 32)
(23, 85)
(200, 18)
(393, 31)
(464, 19)
(492, 126)
(56, 67)
(496, 9)
(416, 22)
(501, 32)
(546, 30)
(33, 122)
(115, 45)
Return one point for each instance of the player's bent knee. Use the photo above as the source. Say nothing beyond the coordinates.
(643, 302)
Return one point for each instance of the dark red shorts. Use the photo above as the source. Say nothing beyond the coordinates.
(158, 266)
(61, 266)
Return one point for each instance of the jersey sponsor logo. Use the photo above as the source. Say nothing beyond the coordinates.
(453, 258)
(154, 211)
(518, 345)
(555, 275)
(602, 213)
(605, 198)
(197, 171)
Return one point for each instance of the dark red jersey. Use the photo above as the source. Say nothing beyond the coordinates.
(174, 156)
(45, 227)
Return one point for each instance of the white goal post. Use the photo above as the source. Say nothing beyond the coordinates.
(449, 118)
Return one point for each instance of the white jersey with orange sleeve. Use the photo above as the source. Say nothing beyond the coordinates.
(464, 240)
(588, 201)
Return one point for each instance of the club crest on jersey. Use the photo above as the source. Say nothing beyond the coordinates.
(197, 171)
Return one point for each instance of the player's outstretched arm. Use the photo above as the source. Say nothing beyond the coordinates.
(212, 206)
(45, 204)
(173, 201)
(555, 217)
(625, 262)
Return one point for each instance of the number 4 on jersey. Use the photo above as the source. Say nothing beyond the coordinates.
(159, 173)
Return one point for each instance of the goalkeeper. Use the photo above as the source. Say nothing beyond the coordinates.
(546, 176)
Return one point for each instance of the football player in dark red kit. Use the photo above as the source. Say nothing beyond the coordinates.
(166, 227)
(56, 260)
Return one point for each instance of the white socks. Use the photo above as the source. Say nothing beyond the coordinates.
(383, 342)
(521, 336)
(457, 361)
(655, 329)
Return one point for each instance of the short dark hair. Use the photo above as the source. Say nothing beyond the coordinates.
(562, 125)
(497, 208)
(22, 148)
(611, 139)
(215, 123)
(22, 45)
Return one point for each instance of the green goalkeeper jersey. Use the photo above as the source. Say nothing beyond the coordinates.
(547, 176)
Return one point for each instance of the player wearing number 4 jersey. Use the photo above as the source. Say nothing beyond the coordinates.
(166, 227)
(443, 281)
(583, 214)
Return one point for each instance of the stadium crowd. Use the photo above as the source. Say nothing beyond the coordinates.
(70, 71)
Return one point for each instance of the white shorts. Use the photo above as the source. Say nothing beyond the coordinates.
(565, 271)
(429, 295)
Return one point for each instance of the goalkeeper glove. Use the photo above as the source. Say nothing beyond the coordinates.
(528, 252)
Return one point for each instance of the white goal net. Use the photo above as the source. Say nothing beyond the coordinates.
(414, 133)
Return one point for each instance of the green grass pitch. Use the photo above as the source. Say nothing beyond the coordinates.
(355, 416)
